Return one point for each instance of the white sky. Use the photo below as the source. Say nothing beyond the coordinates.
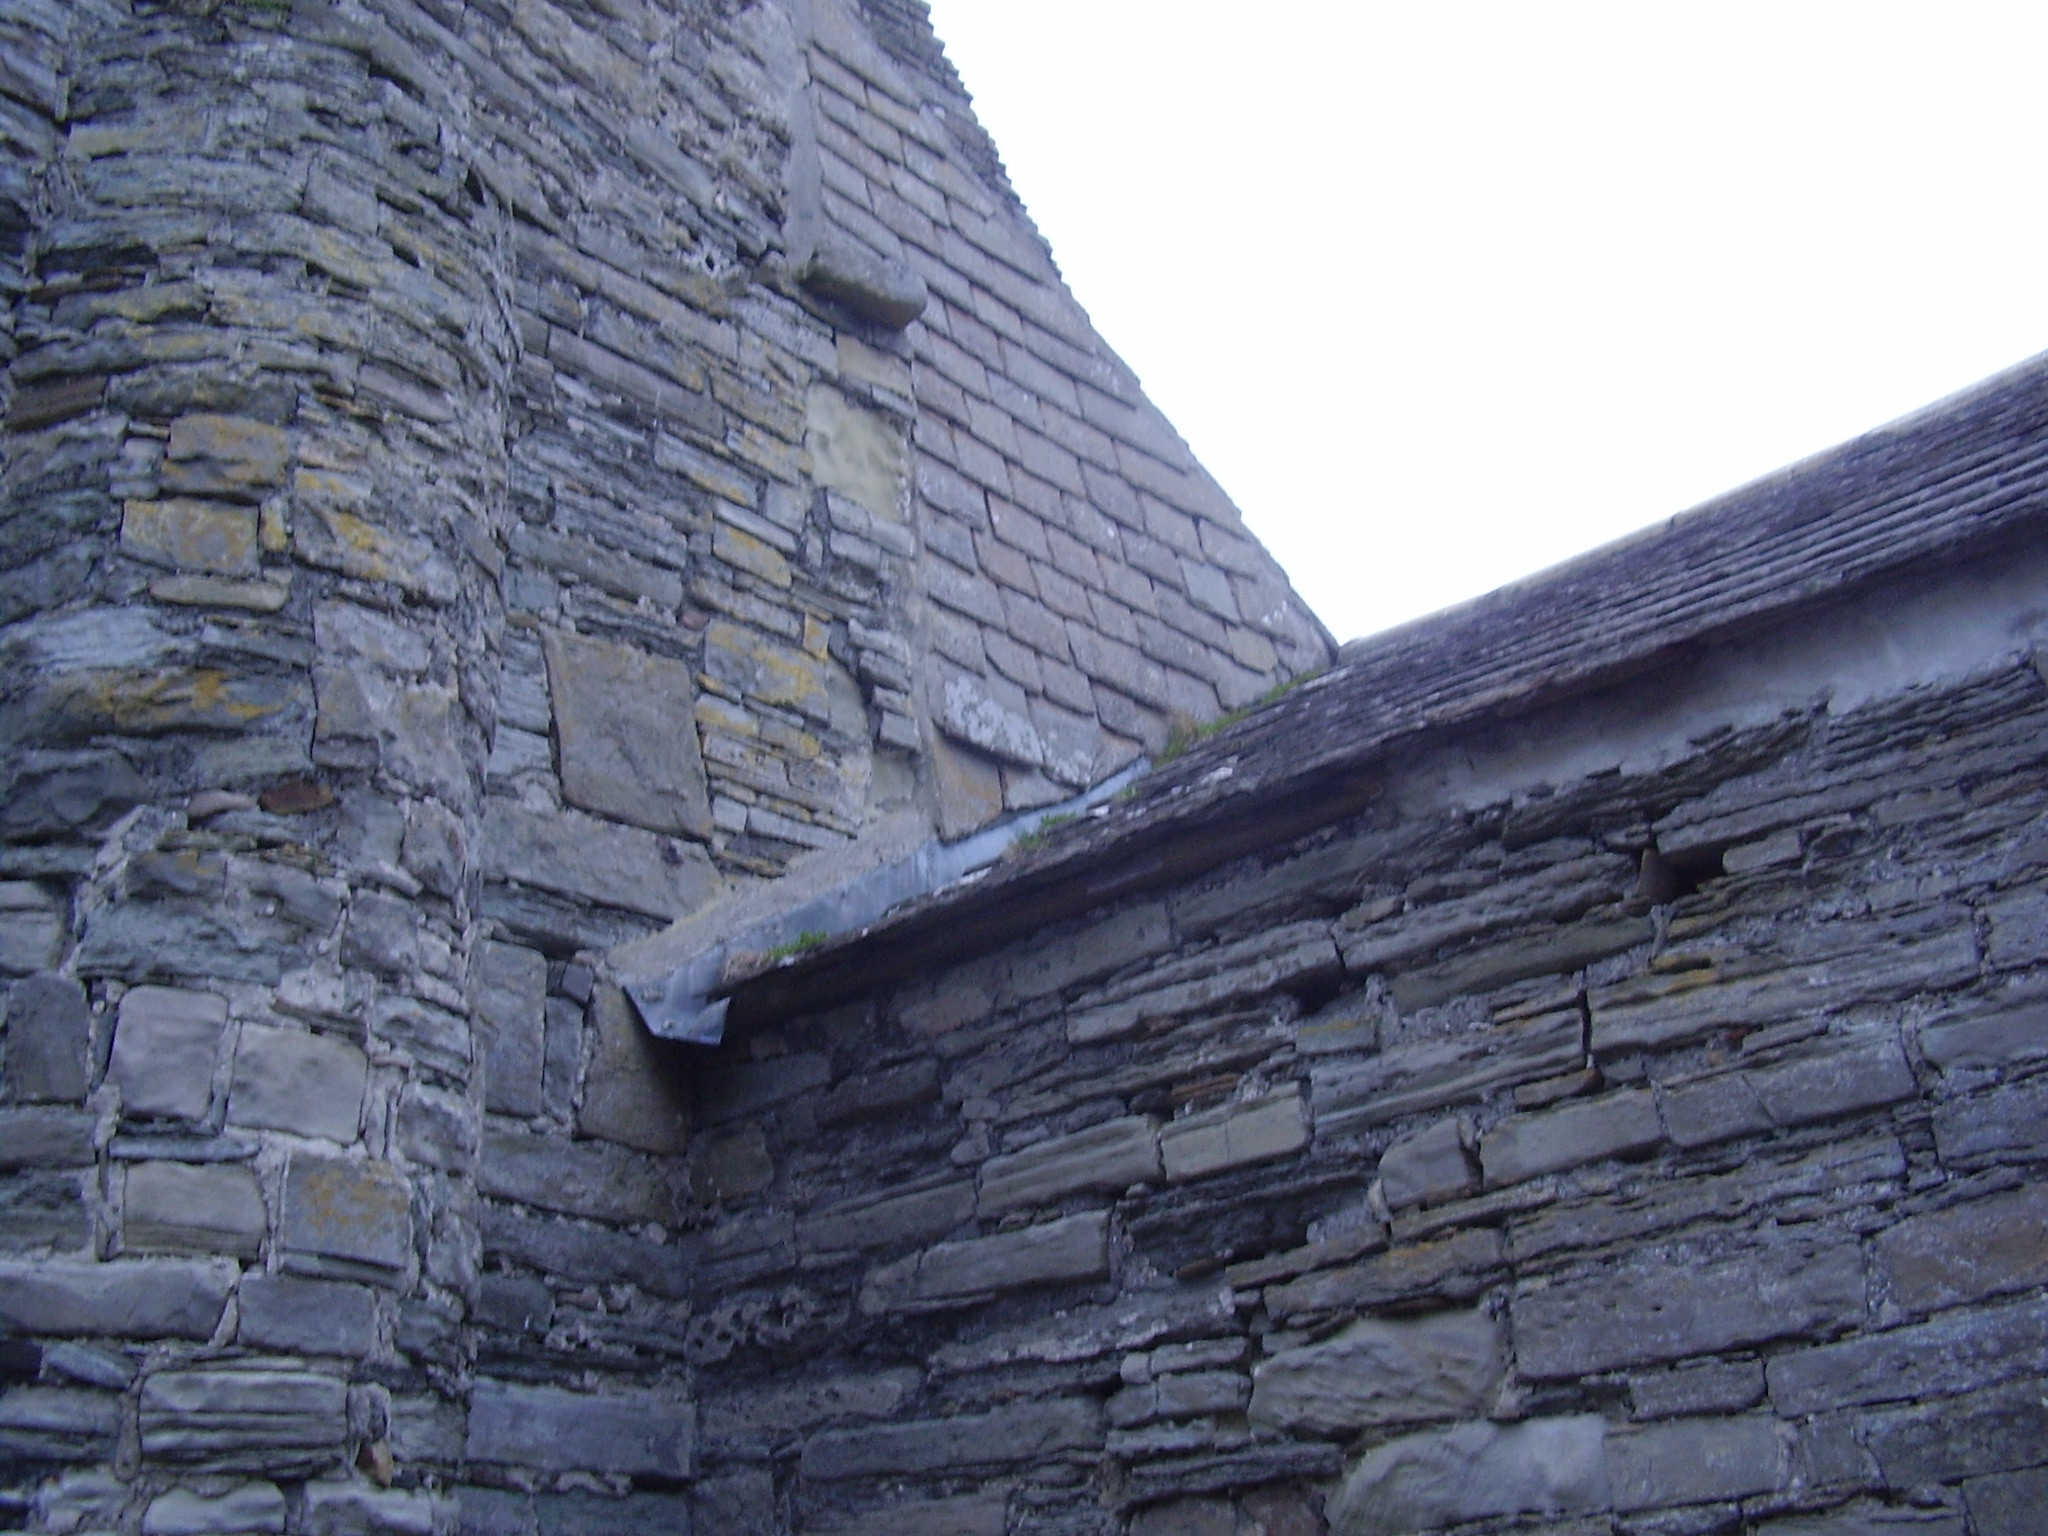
(1445, 292)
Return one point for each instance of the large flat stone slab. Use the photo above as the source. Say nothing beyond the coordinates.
(166, 1041)
(292, 1080)
(959, 1274)
(134, 1298)
(625, 724)
(1446, 1365)
(192, 1208)
(596, 861)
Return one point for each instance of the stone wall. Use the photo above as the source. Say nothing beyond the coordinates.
(1630, 1121)
(482, 481)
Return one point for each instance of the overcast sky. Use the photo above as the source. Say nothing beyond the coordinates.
(1443, 293)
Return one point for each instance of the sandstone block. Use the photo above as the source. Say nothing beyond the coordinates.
(1235, 1135)
(1018, 1434)
(1427, 1165)
(1108, 1157)
(192, 1208)
(46, 1136)
(347, 1218)
(624, 723)
(1446, 1365)
(593, 1179)
(293, 1080)
(1580, 1131)
(992, 714)
(249, 1507)
(210, 455)
(1661, 1308)
(165, 1043)
(307, 1317)
(189, 535)
(437, 1128)
(577, 856)
(244, 1416)
(1981, 1248)
(634, 1092)
(1180, 1395)
(49, 1040)
(958, 1274)
(136, 1298)
(631, 1433)
(509, 986)
(1474, 1472)
(1695, 1461)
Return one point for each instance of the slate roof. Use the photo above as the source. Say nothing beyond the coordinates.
(1956, 481)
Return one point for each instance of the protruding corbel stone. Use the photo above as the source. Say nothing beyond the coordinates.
(885, 290)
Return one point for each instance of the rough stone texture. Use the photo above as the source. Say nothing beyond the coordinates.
(633, 1089)
(1969, 1251)
(1429, 1165)
(49, 1041)
(1475, 1471)
(1574, 1133)
(345, 1216)
(289, 1080)
(1004, 1436)
(511, 995)
(1445, 1366)
(956, 1274)
(616, 713)
(311, 1317)
(625, 1432)
(166, 1041)
(192, 1208)
(1112, 1157)
(1235, 1136)
(143, 1299)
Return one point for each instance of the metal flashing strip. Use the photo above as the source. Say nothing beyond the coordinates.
(682, 1004)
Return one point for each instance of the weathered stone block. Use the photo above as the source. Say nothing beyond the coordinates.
(1181, 1395)
(1452, 1268)
(1108, 1157)
(189, 535)
(232, 1417)
(2005, 1503)
(1719, 1386)
(731, 1167)
(1022, 1433)
(635, 1092)
(354, 1509)
(624, 721)
(436, 1128)
(344, 1217)
(1994, 1036)
(1581, 1131)
(46, 1136)
(46, 1212)
(1867, 1517)
(603, 1182)
(1950, 1354)
(508, 985)
(588, 1255)
(1695, 1461)
(891, 1221)
(1841, 1079)
(308, 1317)
(1944, 1439)
(882, 289)
(1981, 1248)
(1447, 1365)
(870, 1094)
(632, 1433)
(968, 787)
(1475, 1472)
(1353, 1095)
(49, 1040)
(135, 1299)
(1666, 1308)
(58, 1424)
(166, 1041)
(732, 1089)
(192, 1208)
(77, 792)
(589, 860)
(1100, 947)
(856, 451)
(1235, 1135)
(1430, 1164)
(249, 1507)
(212, 455)
(2006, 1123)
(292, 1080)
(958, 1274)
(759, 668)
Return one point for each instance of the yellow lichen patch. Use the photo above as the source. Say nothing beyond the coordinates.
(191, 535)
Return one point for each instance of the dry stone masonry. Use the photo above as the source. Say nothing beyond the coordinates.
(516, 513)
